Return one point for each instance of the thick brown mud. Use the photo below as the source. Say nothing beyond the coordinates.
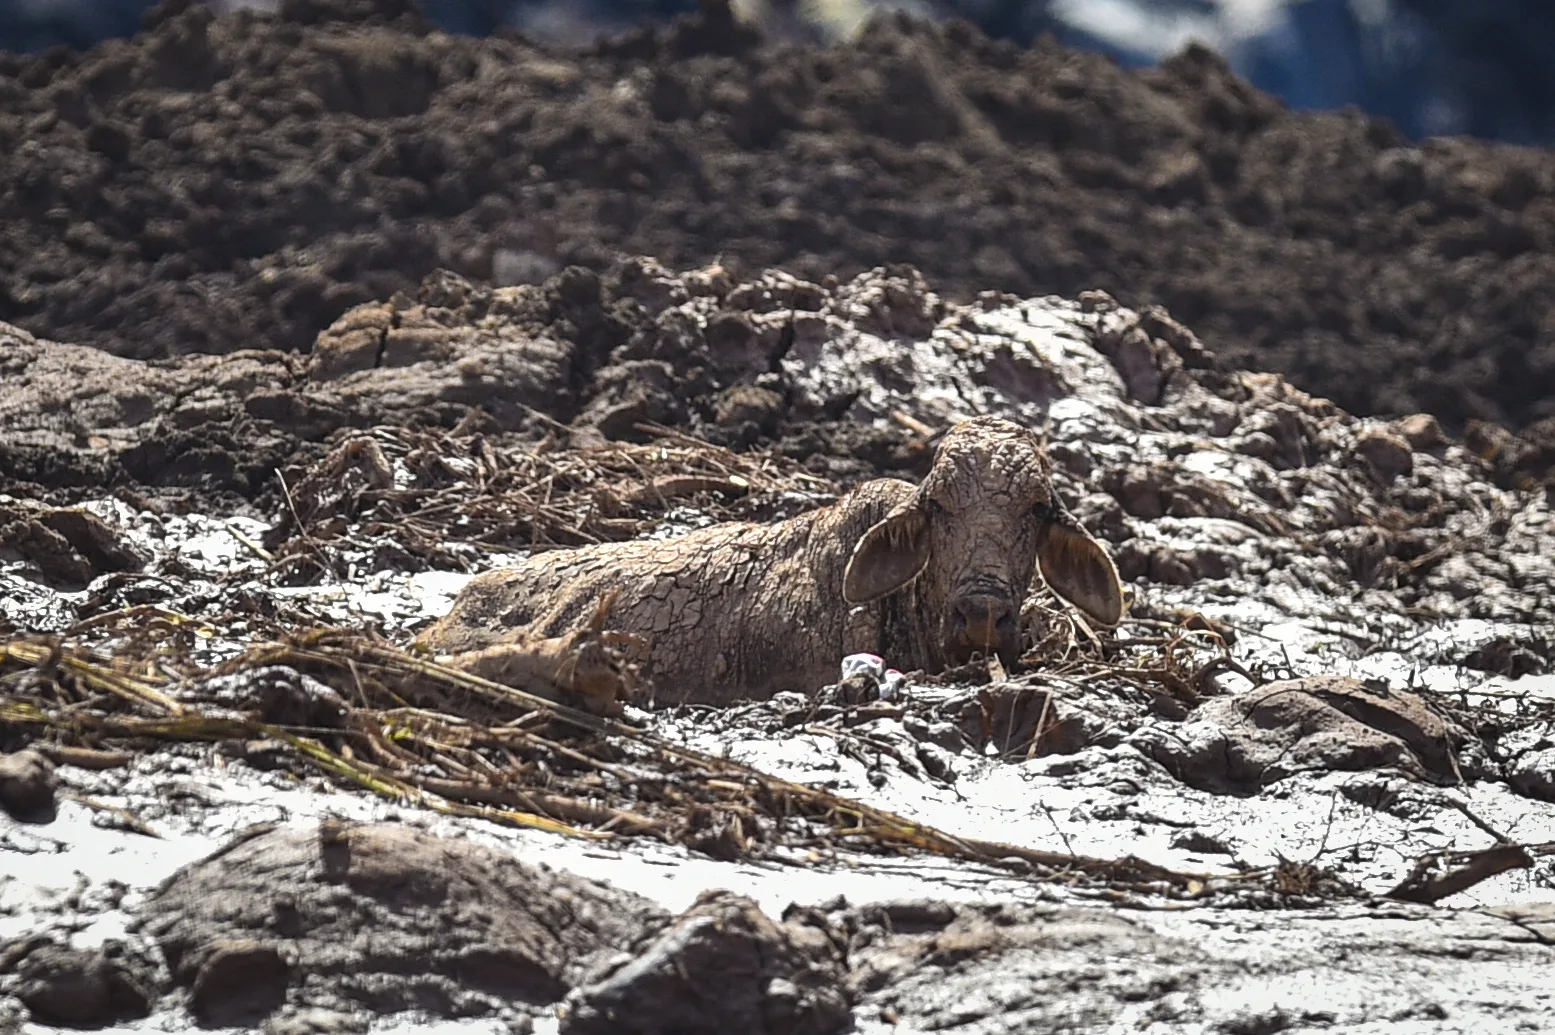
(223, 184)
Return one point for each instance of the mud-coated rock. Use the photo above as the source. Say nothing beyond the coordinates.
(1241, 743)
(1421, 431)
(80, 988)
(27, 786)
(383, 917)
(722, 966)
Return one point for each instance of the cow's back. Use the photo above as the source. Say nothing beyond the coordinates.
(733, 610)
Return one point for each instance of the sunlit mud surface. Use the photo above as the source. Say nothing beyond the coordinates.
(1334, 688)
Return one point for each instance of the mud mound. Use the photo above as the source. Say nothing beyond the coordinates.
(215, 185)
(723, 965)
(383, 917)
(582, 356)
(76, 416)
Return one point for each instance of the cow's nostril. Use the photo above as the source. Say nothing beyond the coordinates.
(1005, 626)
(958, 623)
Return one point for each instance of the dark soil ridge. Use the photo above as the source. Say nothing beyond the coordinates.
(240, 182)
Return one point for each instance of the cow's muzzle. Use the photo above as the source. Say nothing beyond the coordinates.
(982, 623)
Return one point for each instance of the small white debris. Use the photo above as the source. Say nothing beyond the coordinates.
(889, 681)
(872, 665)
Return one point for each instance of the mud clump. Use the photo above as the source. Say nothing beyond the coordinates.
(723, 965)
(28, 786)
(78, 988)
(239, 982)
(227, 183)
(1019, 720)
(337, 918)
(935, 966)
(1243, 742)
(68, 547)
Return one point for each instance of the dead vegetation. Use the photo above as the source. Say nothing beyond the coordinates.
(406, 728)
(445, 498)
(367, 714)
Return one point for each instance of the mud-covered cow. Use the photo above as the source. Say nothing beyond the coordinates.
(923, 575)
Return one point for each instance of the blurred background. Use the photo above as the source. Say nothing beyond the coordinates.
(1485, 68)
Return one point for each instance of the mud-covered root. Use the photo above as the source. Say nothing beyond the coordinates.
(585, 668)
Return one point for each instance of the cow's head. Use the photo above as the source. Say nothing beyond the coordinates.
(981, 522)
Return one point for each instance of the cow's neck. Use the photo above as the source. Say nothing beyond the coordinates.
(905, 638)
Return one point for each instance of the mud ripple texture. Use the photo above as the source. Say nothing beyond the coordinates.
(219, 184)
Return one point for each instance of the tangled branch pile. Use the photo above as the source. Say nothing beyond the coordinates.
(445, 497)
(409, 729)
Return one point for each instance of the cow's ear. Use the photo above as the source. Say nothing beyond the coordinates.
(1079, 570)
(888, 556)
